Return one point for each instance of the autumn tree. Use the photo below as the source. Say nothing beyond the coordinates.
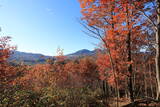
(6, 50)
(150, 9)
(102, 19)
(60, 58)
(116, 24)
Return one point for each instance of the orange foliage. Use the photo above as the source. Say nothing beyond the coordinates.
(6, 71)
(116, 20)
(69, 74)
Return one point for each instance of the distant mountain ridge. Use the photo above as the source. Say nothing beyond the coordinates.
(83, 52)
(34, 58)
(28, 58)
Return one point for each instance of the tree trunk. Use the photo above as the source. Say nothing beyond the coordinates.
(145, 81)
(157, 60)
(105, 92)
(150, 76)
(128, 42)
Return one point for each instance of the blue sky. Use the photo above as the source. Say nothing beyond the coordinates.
(40, 26)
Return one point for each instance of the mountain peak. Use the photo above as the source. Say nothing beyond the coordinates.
(82, 52)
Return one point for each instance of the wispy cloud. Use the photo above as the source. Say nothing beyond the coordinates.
(49, 10)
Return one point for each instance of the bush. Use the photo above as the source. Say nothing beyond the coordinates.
(51, 97)
(71, 97)
(17, 97)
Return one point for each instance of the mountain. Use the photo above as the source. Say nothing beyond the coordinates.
(33, 58)
(83, 52)
(28, 58)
